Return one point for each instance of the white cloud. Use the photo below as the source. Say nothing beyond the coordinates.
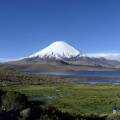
(111, 56)
(6, 59)
(10, 59)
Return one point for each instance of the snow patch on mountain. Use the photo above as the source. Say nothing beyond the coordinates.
(58, 50)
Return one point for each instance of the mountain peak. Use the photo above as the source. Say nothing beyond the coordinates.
(58, 50)
(59, 42)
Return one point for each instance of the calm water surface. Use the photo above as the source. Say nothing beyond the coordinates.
(75, 76)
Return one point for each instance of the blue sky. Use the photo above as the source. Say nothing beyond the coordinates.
(30, 25)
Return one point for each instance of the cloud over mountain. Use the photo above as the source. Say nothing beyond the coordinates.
(111, 56)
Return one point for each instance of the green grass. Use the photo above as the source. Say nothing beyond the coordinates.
(74, 98)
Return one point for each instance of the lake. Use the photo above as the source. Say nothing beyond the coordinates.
(92, 77)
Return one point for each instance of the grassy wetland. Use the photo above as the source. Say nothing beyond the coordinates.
(73, 98)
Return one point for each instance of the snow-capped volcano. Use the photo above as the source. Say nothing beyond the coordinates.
(62, 55)
(58, 50)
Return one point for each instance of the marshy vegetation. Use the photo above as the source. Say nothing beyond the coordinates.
(18, 106)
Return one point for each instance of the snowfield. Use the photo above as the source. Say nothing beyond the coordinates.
(58, 50)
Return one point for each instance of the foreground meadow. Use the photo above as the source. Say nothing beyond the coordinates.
(73, 98)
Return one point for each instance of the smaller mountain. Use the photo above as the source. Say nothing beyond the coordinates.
(57, 50)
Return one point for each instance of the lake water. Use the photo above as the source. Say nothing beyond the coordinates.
(92, 77)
